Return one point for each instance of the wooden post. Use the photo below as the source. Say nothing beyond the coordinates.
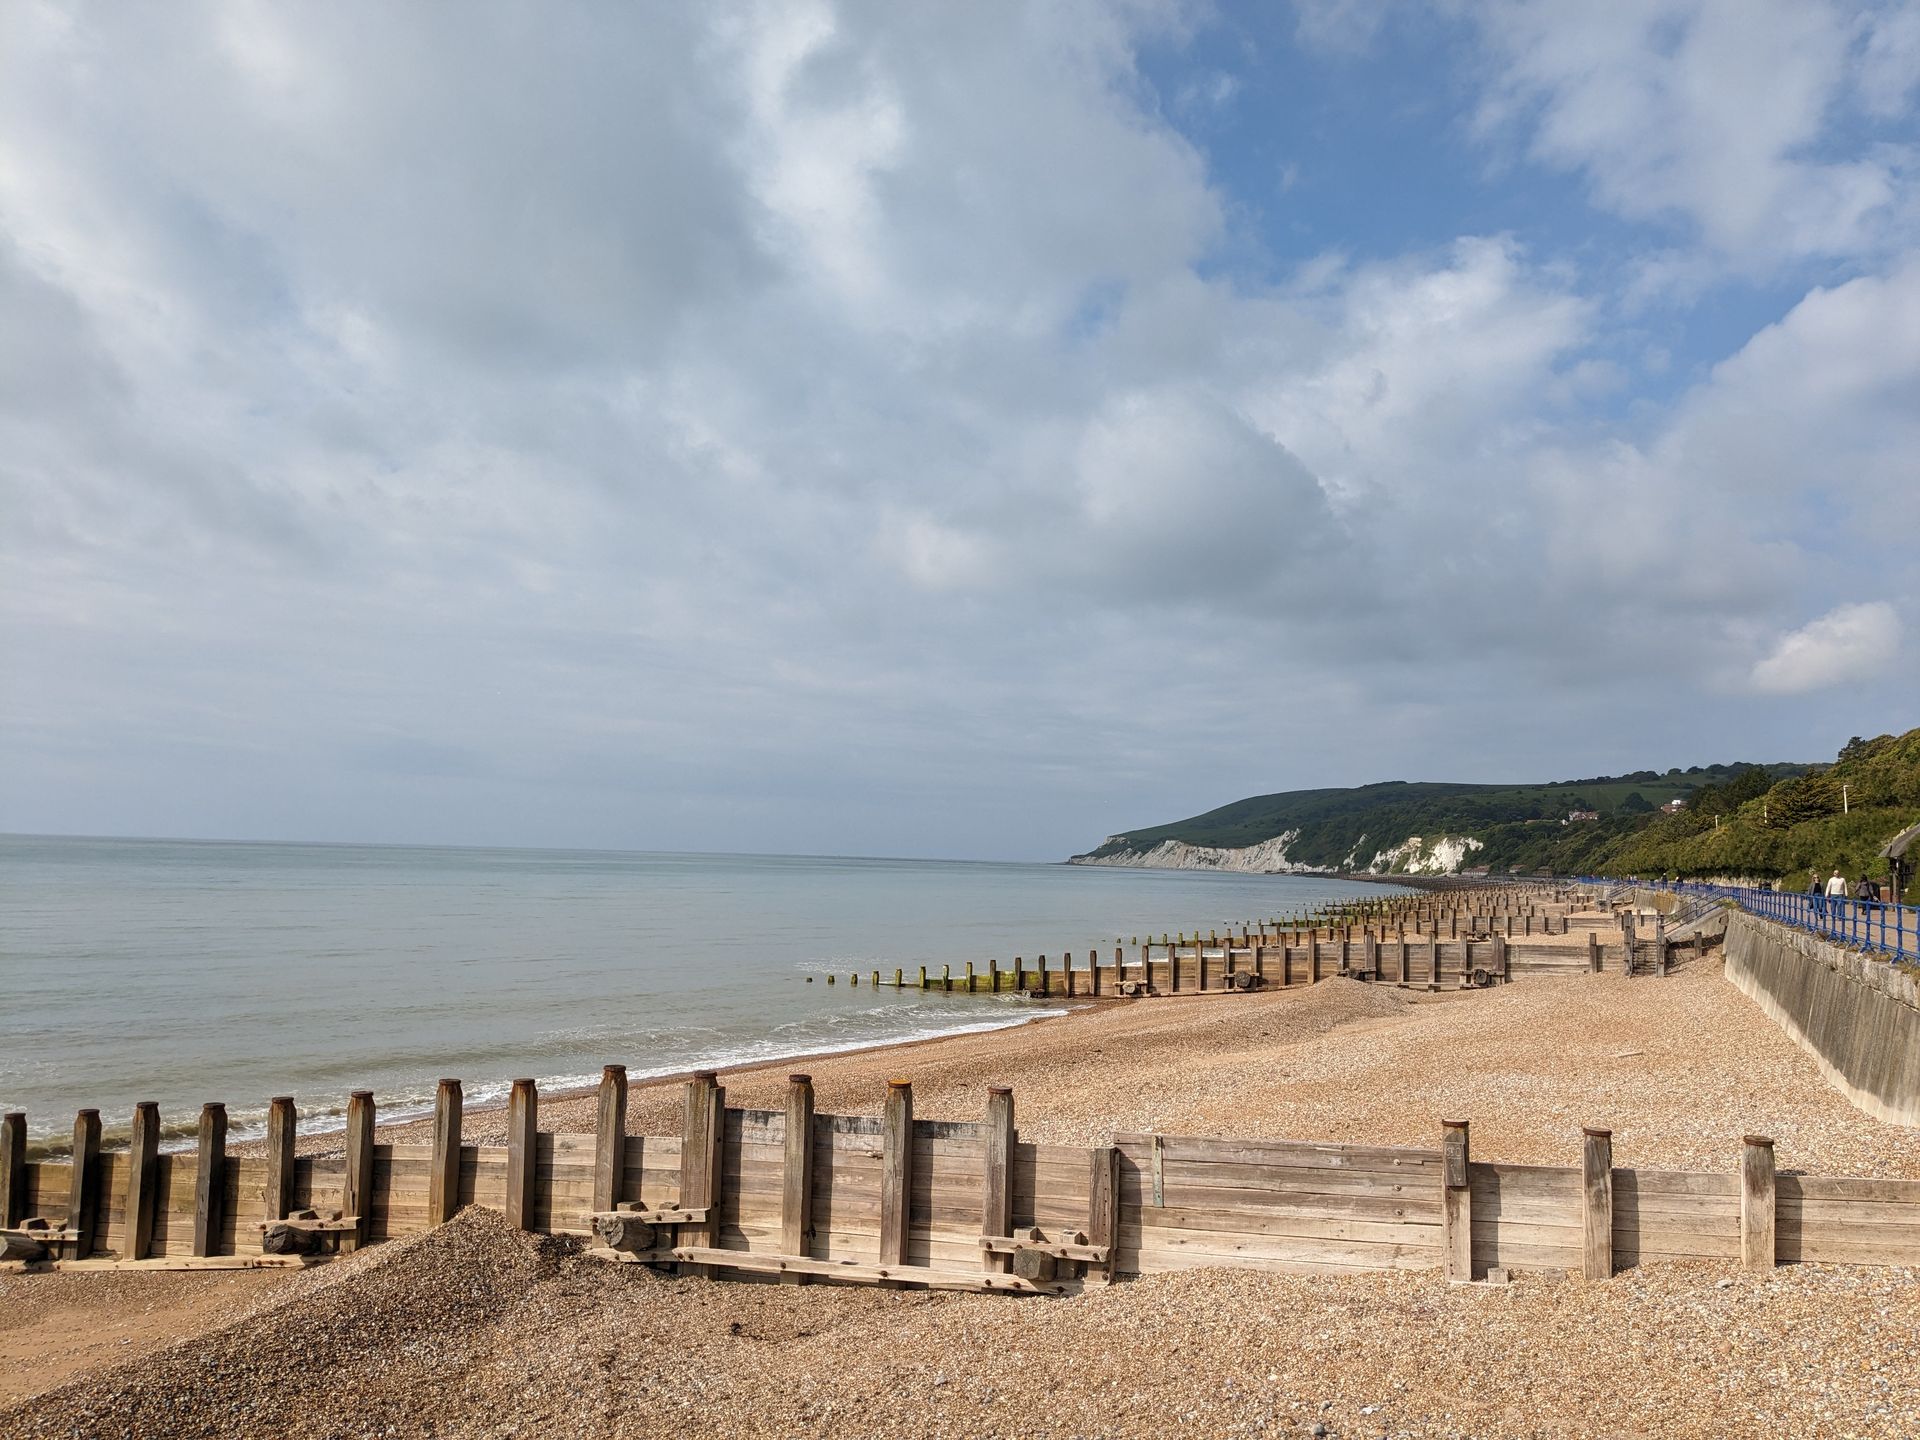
(1593, 951)
(702, 1134)
(282, 1123)
(83, 1190)
(969, 977)
(896, 1171)
(610, 1139)
(443, 1180)
(1313, 958)
(1756, 1203)
(796, 1175)
(1456, 1208)
(1370, 955)
(1046, 982)
(923, 977)
(13, 1168)
(996, 1211)
(210, 1161)
(143, 1174)
(1660, 944)
(523, 1141)
(356, 1199)
(1596, 1173)
(1433, 960)
(1103, 1203)
(1502, 961)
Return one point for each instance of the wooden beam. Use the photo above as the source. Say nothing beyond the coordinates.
(209, 1176)
(610, 1138)
(143, 1175)
(996, 1211)
(1596, 1174)
(356, 1196)
(845, 1270)
(1058, 1249)
(1103, 1204)
(896, 1171)
(703, 1130)
(83, 1193)
(282, 1124)
(523, 1141)
(1756, 1203)
(13, 1168)
(443, 1178)
(796, 1172)
(1456, 1202)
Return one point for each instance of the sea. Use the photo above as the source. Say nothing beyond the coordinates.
(186, 971)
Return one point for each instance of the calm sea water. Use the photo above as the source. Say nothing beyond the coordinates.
(183, 971)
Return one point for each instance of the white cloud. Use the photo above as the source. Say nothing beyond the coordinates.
(1709, 110)
(825, 401)
(1850, 644)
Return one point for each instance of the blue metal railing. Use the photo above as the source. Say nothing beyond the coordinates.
(1867, 925)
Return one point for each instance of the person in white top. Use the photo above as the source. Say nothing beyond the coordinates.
(1837, 887)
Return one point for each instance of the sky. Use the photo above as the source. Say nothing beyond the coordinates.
(940, 430)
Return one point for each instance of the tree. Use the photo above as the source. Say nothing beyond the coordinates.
(1636, 804)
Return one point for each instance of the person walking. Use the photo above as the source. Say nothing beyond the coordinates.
(1817, 894)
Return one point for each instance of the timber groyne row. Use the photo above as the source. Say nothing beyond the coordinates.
(1432, 939)
(967, 1204)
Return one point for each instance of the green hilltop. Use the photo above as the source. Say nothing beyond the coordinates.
(1758, 820)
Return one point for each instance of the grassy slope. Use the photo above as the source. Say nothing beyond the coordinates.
(1795, 826)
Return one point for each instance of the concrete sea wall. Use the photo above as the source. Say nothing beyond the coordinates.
(1858, 1016)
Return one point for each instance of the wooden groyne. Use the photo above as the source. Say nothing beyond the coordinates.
(899, 1199)
(1432, 939)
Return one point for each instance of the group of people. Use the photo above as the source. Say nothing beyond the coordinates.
(1866, 890)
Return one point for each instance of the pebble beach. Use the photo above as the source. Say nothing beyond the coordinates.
(479, 1330)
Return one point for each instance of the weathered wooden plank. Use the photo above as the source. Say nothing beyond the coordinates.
(1307, 1227)
(523, 1140)
(143, 1156)
(356, 1185)
(996, 1213)
(212, 1157)
(1285, 1154)
(1756, 1201)
(1596, 1165)
(84, 1185)
(282, 1126)
(443, 1155)
(1456, 1213)
(896, 1172)
(1839, 1187)
(13, 1168)
(610, 1139)
(796, 1173)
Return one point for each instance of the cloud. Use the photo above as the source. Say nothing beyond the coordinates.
(851, 427)
(1711, 111)
(1847, 645)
